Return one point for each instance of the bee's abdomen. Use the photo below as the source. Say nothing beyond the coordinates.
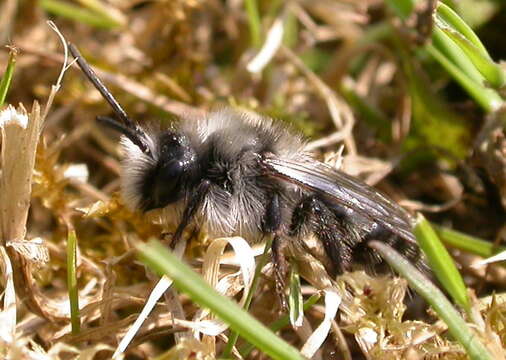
(345, 235)
(364, 254)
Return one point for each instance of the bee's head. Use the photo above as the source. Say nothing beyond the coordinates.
(157, 168)
(161, 176)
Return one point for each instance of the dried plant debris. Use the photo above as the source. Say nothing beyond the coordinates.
(364, 81)
(490, 151)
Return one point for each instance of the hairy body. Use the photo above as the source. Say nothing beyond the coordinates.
(227, 146)
(238, 173)
(225, 151)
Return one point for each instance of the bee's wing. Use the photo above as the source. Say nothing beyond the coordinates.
(344, 190)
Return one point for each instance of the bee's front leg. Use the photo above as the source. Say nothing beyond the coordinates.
(195, 201)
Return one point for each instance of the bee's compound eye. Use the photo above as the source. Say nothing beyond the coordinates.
(166, 186)
(170, 170)
(176, 166)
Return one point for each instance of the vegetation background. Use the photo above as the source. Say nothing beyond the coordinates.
(406, 95)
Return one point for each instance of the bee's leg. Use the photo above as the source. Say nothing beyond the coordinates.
(280, 269)
(272, 225)
(330, 225)
(194, 203)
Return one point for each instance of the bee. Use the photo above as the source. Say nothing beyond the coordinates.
(234, 172)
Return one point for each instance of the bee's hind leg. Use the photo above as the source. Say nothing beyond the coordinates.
(331, 226)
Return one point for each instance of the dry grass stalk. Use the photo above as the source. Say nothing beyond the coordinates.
(315, 341)
(20, 137)
(8, 314)
(19, 144)
(340, 112)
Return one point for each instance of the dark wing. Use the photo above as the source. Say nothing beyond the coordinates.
(344, 190)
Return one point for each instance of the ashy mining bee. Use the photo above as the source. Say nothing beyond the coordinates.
(238, 173)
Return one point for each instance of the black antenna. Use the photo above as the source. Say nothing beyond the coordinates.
(132, 134)
(90, 74)
(126, 126)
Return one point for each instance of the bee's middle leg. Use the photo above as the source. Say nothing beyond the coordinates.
(273, 225)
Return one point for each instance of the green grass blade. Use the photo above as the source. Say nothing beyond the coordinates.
(185, 279)
(453, 52)
(441, 262)
(7, 76)
(253, 22)
(457, 327)
(492, 72)
(70, 11)
(280, 323)
(75, 318)
(460, 52)
(402, 8)
(450, 17)
(232, 339)
(468, 243)
(106, 12)
(487, 98)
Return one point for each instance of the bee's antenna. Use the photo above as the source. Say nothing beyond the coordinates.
(99, 85)
(126, 126)
(131, 134)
